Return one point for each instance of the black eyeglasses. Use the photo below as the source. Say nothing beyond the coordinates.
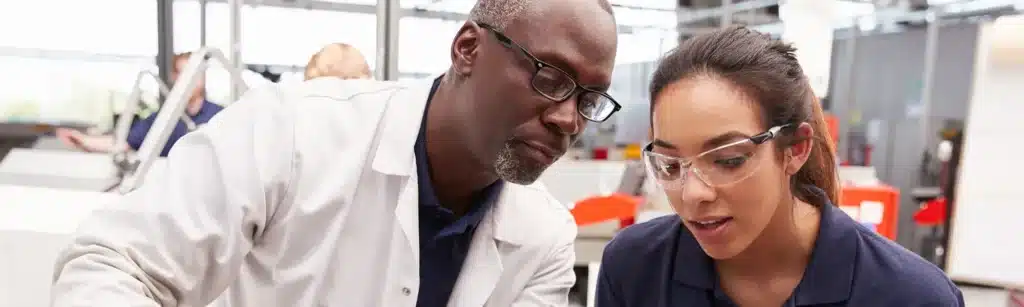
(557, 85)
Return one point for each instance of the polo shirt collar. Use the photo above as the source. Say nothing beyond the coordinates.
(828, 277)
(427, 195)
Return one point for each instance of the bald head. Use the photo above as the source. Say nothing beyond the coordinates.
(559, 31)
(338, 60)
(523, 72)
(500, 13)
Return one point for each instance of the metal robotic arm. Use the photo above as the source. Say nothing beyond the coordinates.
(172, 109)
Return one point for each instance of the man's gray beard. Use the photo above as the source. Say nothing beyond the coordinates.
(516, 169)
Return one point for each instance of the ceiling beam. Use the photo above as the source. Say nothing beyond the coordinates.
(372, 9)
(689, 16)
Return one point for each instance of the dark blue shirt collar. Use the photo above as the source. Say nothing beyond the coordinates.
(428, 197)
(827, 279)
(207, 110)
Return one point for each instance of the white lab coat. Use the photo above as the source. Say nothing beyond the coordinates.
(306, 195)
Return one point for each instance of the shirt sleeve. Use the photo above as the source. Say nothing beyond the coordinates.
(137, 132)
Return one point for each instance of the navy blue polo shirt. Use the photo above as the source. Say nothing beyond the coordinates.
(659, 263)
(140, 128)
(444, 237)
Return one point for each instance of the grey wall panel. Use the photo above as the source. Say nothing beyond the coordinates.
(886, 77)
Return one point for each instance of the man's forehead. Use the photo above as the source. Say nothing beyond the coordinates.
(576, 33)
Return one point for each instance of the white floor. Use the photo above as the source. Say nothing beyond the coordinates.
(982, 297)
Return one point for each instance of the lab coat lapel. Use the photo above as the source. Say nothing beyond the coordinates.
(495, 242)
(394, 155)
(407, 215)
(399, 128)
(481, 270)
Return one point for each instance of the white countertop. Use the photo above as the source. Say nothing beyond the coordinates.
(35, 225)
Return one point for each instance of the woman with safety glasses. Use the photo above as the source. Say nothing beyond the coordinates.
(740, 148)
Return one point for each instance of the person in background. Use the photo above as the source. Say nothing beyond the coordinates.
(743, 153)
(396, 194)
(198, 109)
(338, 60)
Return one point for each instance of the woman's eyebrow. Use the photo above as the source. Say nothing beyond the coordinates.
(724, 138)
(663, 144)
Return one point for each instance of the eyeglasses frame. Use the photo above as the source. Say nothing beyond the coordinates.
(757, 140)
(539, 64)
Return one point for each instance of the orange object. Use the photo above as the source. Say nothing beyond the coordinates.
(833, 127)
(865, 199)
(633, 152)
(598, 209)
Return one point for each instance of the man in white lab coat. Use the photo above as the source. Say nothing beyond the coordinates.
(364, 193)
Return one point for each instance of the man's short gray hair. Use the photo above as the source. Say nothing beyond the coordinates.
(498, 13)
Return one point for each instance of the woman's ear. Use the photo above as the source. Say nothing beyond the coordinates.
(798, 152)
(465, 48)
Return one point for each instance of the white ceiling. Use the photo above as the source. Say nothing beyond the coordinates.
(636, 13)
(463, 6)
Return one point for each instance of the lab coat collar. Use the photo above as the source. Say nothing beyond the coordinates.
(399, 128)
(482, 268)
(395, 155)
(500, 231)
(508, 215)
(828, 277)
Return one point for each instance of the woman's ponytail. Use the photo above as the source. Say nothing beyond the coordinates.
(820, 169)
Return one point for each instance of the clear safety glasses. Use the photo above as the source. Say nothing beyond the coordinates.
(723, 165)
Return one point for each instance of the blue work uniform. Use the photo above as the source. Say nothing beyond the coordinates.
(444, 238)
(659, 263)
(141, 127)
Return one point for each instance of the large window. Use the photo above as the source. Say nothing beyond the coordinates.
(424, 44)
(123, 27)
(276, 36)
(61, 63)
(98, 26)
(645, 45)
(64, 89)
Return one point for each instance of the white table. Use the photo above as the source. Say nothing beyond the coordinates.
(35, 225)
(61, 169)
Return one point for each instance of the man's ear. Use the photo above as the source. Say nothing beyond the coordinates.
(466, 47)
(798, 153)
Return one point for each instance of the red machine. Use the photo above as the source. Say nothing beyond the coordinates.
(875, 207)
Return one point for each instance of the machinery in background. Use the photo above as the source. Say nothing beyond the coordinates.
(25, 133)
(29, 164)
(868, 200)
(41, 210)
(936, 176)
(858, 148)
(864, 197)
(169, 115)
(604, 196)
(32, 158)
